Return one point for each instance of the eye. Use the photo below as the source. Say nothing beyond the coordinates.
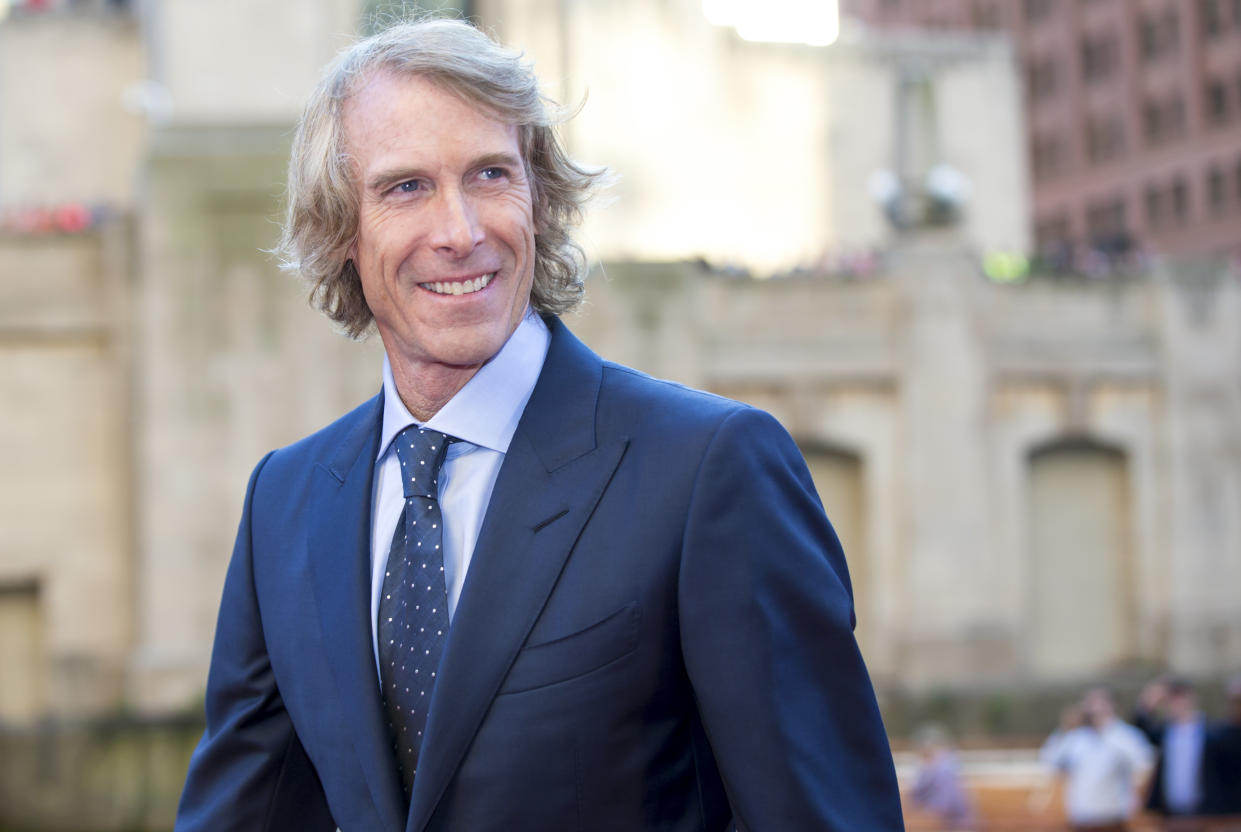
(408, 187)
(492, 173)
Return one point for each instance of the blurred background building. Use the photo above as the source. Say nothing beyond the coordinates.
(1133, 113)
(940, 241)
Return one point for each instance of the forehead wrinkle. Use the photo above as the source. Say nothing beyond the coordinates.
(369, 132)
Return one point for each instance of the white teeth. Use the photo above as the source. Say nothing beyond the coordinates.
(460, 287)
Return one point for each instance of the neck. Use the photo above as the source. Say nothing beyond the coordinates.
(426, 390)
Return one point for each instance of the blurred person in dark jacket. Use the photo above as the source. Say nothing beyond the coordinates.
(1197, 772)
(1228, 760)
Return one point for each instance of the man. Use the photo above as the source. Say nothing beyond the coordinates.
(1229, 761)
(523, 588)
(1104, 762)
(938, 787)
(1196, 771)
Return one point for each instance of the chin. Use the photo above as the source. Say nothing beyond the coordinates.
(472, 353)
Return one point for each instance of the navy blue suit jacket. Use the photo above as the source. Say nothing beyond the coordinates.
(655, 634)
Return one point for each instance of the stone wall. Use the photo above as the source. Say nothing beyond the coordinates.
(67, 575)
(233, 363)
(88, 146)
(110, 775)
(949, 390)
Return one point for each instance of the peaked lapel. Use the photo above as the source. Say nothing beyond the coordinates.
(549, 483)
(339, 549)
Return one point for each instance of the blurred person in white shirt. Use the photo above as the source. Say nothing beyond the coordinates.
(1104, 762)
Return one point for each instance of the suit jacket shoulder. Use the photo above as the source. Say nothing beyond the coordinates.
(334, 448)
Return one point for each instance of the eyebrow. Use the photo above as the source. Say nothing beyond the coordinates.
(387, 178)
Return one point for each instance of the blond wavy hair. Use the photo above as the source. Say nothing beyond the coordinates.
(322, 218)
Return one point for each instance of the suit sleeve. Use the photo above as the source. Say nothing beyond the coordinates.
(1150, 725)
(249, 771)
(767, 635)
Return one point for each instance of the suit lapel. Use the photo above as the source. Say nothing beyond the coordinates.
(339, 547)
(552, 477)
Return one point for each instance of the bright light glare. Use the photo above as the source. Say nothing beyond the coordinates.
(813, 22)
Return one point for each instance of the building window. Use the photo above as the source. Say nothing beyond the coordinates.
(1042, 78)
(1148, 38)
(23, 652)
(1154, 206)
(1105, 138)
(1051, 232)
(1048, 157)
(1152, 121)
(1180, 201)
(1098, 57)
(839, 476)
(1217, 190)
(986, 15)
(1159, 35)
(1036, 10)
(1163, 119)
(1082, 569)
(1211, 15)
(1176, 115)
(1105, 221)
(1171, 31)
(1216, 102)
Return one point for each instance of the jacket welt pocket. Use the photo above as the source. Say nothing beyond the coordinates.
(577, 654)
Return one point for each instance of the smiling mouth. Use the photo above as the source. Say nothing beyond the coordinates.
(459, 287)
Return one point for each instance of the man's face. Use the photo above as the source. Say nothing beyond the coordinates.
(445, 245)
(1097, 707)
(1182, 705)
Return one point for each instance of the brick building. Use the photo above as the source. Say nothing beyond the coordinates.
(1133, 112)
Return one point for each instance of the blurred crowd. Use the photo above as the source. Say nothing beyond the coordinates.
(1102, 257)
(1166, 766)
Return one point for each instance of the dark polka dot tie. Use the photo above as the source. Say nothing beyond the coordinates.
(413, 607)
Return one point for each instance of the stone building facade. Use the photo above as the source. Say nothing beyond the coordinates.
(1036, 484)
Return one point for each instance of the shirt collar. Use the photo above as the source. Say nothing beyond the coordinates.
(484, 412)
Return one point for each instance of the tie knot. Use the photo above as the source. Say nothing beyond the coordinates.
(421, 452)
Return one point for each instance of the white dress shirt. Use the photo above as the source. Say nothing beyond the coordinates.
(1103, 769)
(483, 415)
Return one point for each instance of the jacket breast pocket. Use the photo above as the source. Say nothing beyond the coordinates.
(577, 654)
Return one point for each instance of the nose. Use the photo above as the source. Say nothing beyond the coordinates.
(455, 227)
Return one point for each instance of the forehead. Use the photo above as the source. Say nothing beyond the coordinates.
(391, 112)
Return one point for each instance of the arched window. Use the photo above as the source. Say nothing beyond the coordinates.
(1081, 568)
(22, 656)
(838, 478)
